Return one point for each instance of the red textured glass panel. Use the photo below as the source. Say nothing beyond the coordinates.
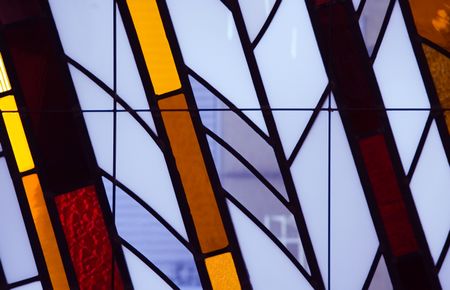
(87, 239)
(388, 196)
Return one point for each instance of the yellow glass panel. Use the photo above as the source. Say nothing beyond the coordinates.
(16, 134)
(4, 81)
(45, 232)
(194, 176)
(432, 18)
(440, 70)
(154, 45)
(222, 272)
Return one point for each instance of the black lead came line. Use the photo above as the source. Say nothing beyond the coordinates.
(266, 24)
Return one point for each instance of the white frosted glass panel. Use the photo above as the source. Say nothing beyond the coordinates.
(129, 83)
(267, 266)
(255, 13)
(291, 68)
(401, 85)
(15, 252)
(381, 279)
(85, 29)
(141, 275)
(211, 47)
(444, 274)
(356, 4)
(310, 175)
(353, 238)
(99, 124)
(31, 286)
(142, 168)
(430, 187)
(371, 20)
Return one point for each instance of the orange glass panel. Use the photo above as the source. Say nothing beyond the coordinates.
(45, 232)
(432, 19)
(440, 70)
(4, 81)
(154, 44)
(222, 272)
(16, 134)
(195, 179)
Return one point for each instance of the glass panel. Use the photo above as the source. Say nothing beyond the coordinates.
(356, 4)
(86, 33)
(31, 286)
(193, 173)
(211, 47)
(154, 45)
(146, 234)
(141, 275)
(401, 86)
(255, 13)
(267, 266)
(260, 202)
(440, 67)
(433, 205)
(15, 252)
(4, 81)
(16, 134)
(370, 21)
(239, 135)
(381, 279)
(142, 168)
(129, 83)
(222, 272)
(291, 68)
(432, 20)
(310, 175)
(354, 241)
(87, 238)
(45, 231)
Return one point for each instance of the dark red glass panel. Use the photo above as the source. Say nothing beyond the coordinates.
(87, 238)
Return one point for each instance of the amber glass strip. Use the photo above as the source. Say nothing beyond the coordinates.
(195, 179)
(16, 133)
(222, 272)
(432, 18)
(439, 66)
(155, 46)
(45, 232)
(4, 81)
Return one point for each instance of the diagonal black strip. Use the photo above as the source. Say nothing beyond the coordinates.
(23, 282)
(443, 254)
(266, 24)
(360, 8)
(116, 98)
(435, 46)
(148, 208)
(270, 235)
(383, 28)
(249, 166)
(230, 105)
(169, 94)
(309, 125)
(149, 264)
(419, 149)
(372, 269)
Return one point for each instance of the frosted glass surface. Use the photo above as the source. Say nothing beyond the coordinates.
(141, 275)
(31, 286)
(310, 175)
(15, 252)
(129, 83)
(444, 274)
(430, 187)
(353, 238)
(381, 279)
(86, 32)
(291, 68)
(267, 266)
(370, 21)
(142, 168)
(211, 47)
(356, 4)
(255, 13)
